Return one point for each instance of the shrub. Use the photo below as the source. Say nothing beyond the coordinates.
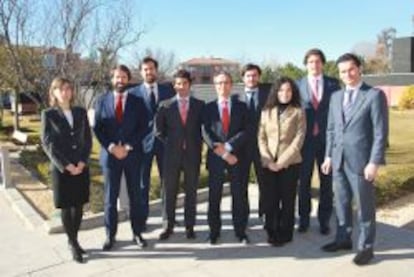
(407, 99)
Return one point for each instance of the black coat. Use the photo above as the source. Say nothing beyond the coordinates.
(66, 145)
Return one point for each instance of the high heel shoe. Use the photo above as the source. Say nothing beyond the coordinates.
(76, 254)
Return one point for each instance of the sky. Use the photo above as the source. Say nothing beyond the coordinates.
(267, 31)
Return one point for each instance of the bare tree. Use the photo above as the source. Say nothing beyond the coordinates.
(33, 31)
(108, 41)
(103, 28)
(385, 41)
(21, 63)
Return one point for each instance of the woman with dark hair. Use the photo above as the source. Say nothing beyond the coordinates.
(280, 137)
(66, 139)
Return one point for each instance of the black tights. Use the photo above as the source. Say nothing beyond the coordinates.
(71, 219)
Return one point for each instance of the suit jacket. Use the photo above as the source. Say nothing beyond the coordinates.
(363, 138)
(62, 143)
(330, 85)
(259, 99)
(171, 131)
(130, 131)
(281, 137)
(165, 91)
(213, 130)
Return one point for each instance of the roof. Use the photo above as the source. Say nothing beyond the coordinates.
(209, 61)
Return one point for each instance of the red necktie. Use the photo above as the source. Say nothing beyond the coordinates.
(183, 110)
(225, 117)
(315, 104)
(118, 108)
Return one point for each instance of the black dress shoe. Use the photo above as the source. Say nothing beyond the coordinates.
(165, 234)
(324, 230)
(277, 243)
(243, 238)
(77, 246)
(364, 256)
(108, 244)
(140, 241)
(270, 240)
(213, 238)
(336, 246)
(76, 254)
(189, 233)
(303, 228)
(81, 250)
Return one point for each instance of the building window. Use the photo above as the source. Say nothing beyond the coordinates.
(205, 79)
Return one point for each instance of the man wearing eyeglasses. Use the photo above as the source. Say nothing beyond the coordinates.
(225, 125)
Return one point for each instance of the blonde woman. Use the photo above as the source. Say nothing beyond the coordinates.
(280, 137)
(66, 139)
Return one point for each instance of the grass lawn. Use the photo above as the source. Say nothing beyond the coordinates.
(397, 177)
(395, 180)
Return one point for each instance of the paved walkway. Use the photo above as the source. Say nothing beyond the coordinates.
(27, 252)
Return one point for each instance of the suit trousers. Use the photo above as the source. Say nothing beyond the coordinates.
(314, 149)
(239, 207)
(253, 157)
(145, 175)
(349, 185)
(279, 201)
(172, 171)
(112, 177)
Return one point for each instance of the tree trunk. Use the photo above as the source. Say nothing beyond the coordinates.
(16, 124)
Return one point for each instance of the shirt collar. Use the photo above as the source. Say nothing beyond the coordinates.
(251, 90)
(179, 98)
(153, 85)
(124, 94)
(222, 99)
(312, 78)
(354, 88)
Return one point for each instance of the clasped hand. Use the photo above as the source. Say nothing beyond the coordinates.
(119, 151)
(220, 150)
(75, 169)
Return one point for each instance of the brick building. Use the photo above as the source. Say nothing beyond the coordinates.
(203, 69)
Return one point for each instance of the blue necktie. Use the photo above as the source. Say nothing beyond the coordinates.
(153, 101)
(250, 103)
(348, 104)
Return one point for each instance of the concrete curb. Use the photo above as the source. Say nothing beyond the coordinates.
(31, 218)
(34, 220)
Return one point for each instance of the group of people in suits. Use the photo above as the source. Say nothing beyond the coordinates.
(280, 132)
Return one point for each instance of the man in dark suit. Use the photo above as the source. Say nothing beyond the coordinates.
(120, 124)
(152, 93)
(178, 124)
(255, 97)
(316, 90)
(356, 139)
(225, 131)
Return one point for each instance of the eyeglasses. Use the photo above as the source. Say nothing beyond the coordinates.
(222, 83)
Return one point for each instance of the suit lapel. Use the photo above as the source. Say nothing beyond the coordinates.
(63, 120)
(144, 94)
(76, 119)
(359, 101)
(274, 121)
(243, 97)
(218, 117)
(324, 100)
(175, 110)
(191, 108)
(305, 89)
(260, 99)
(110, 104)
(233, 114)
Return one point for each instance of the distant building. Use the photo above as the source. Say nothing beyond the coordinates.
(402, 71)
(203, 69)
